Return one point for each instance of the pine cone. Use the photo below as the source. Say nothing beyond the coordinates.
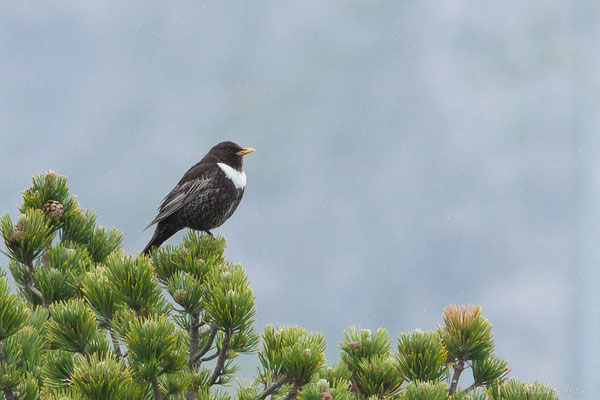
(16, 235)
(326, 396)
(54, 208)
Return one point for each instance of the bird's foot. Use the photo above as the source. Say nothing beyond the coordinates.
(209, 234)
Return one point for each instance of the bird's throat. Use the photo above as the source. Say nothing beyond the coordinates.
(237, 177)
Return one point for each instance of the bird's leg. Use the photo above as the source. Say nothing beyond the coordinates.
(209, 234)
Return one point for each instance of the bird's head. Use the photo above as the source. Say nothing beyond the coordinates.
(228, 153)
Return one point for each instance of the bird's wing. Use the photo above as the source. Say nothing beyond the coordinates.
(194, 182)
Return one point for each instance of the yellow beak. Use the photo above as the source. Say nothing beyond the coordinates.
(245, 151)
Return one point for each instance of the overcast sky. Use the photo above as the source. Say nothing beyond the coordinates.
(410, 154)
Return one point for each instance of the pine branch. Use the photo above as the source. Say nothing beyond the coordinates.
(7, 391)
(200, 324)
(211, 357)
(193, 339)
(31, 286)
(86, 353)
(46, 259)
(156, 389)
(473, 386)
(458, 369)
(293, 392)
(273, 388)
(113, 337)
(221, 360)
(206, 348)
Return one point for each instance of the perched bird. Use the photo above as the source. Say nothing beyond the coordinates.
(205, 197)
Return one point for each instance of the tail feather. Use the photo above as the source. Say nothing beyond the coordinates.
(162, 233)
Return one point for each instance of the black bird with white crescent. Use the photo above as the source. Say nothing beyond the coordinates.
(205, 197)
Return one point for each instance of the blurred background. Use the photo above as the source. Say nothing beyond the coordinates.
(410, 154)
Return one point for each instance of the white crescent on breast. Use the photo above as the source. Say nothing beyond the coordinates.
(237, 177)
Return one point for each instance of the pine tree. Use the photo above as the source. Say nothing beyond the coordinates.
(91, 322)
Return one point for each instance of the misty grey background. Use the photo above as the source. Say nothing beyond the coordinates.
(410, 154)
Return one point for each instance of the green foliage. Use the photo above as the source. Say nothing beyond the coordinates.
(25, 349)
(31, 235)
(132, 282)
(156, 347)
(104, 243)
(99, 295)
(377, 377)
(196, 256)
(291, 352)
(245, 341)
(71, 326)
(515, 390)
(89, 322)
(323, 389)
(57, 369)
(13, 311)
(80, 227)
(368, 358)
(361, 344)
(421, 356)
(60, 279)
(187, 291)
(417, 390)
(100, 378)
(48, 187)
(466, 334)
(489, 370)
(229, 299)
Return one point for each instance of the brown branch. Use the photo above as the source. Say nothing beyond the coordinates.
(221, 360)
(205, 333)
(156, 389)
(293, 392)
(193, 340)
(199, 324)
(31, 286)
(458, 369)
(273, 388)
(46, 258)
(473, 386)
(86, 353)
(113, 337)
(211, 357)
(207, 346)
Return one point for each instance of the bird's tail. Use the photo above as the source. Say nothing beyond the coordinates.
(162, 233)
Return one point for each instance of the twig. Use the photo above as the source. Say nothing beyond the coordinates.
(205, 333)
(199, 324)
(86, 353)
(473, 386)
(293, 392)
(207, 346)
(113, 337)
(31, 286)
(156, 389)
(46, 258)
(211, 357)
(269, 391)
(222, 357)
(458, 369)
(193, 340)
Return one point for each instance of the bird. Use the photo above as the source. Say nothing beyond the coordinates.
(205, 197)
